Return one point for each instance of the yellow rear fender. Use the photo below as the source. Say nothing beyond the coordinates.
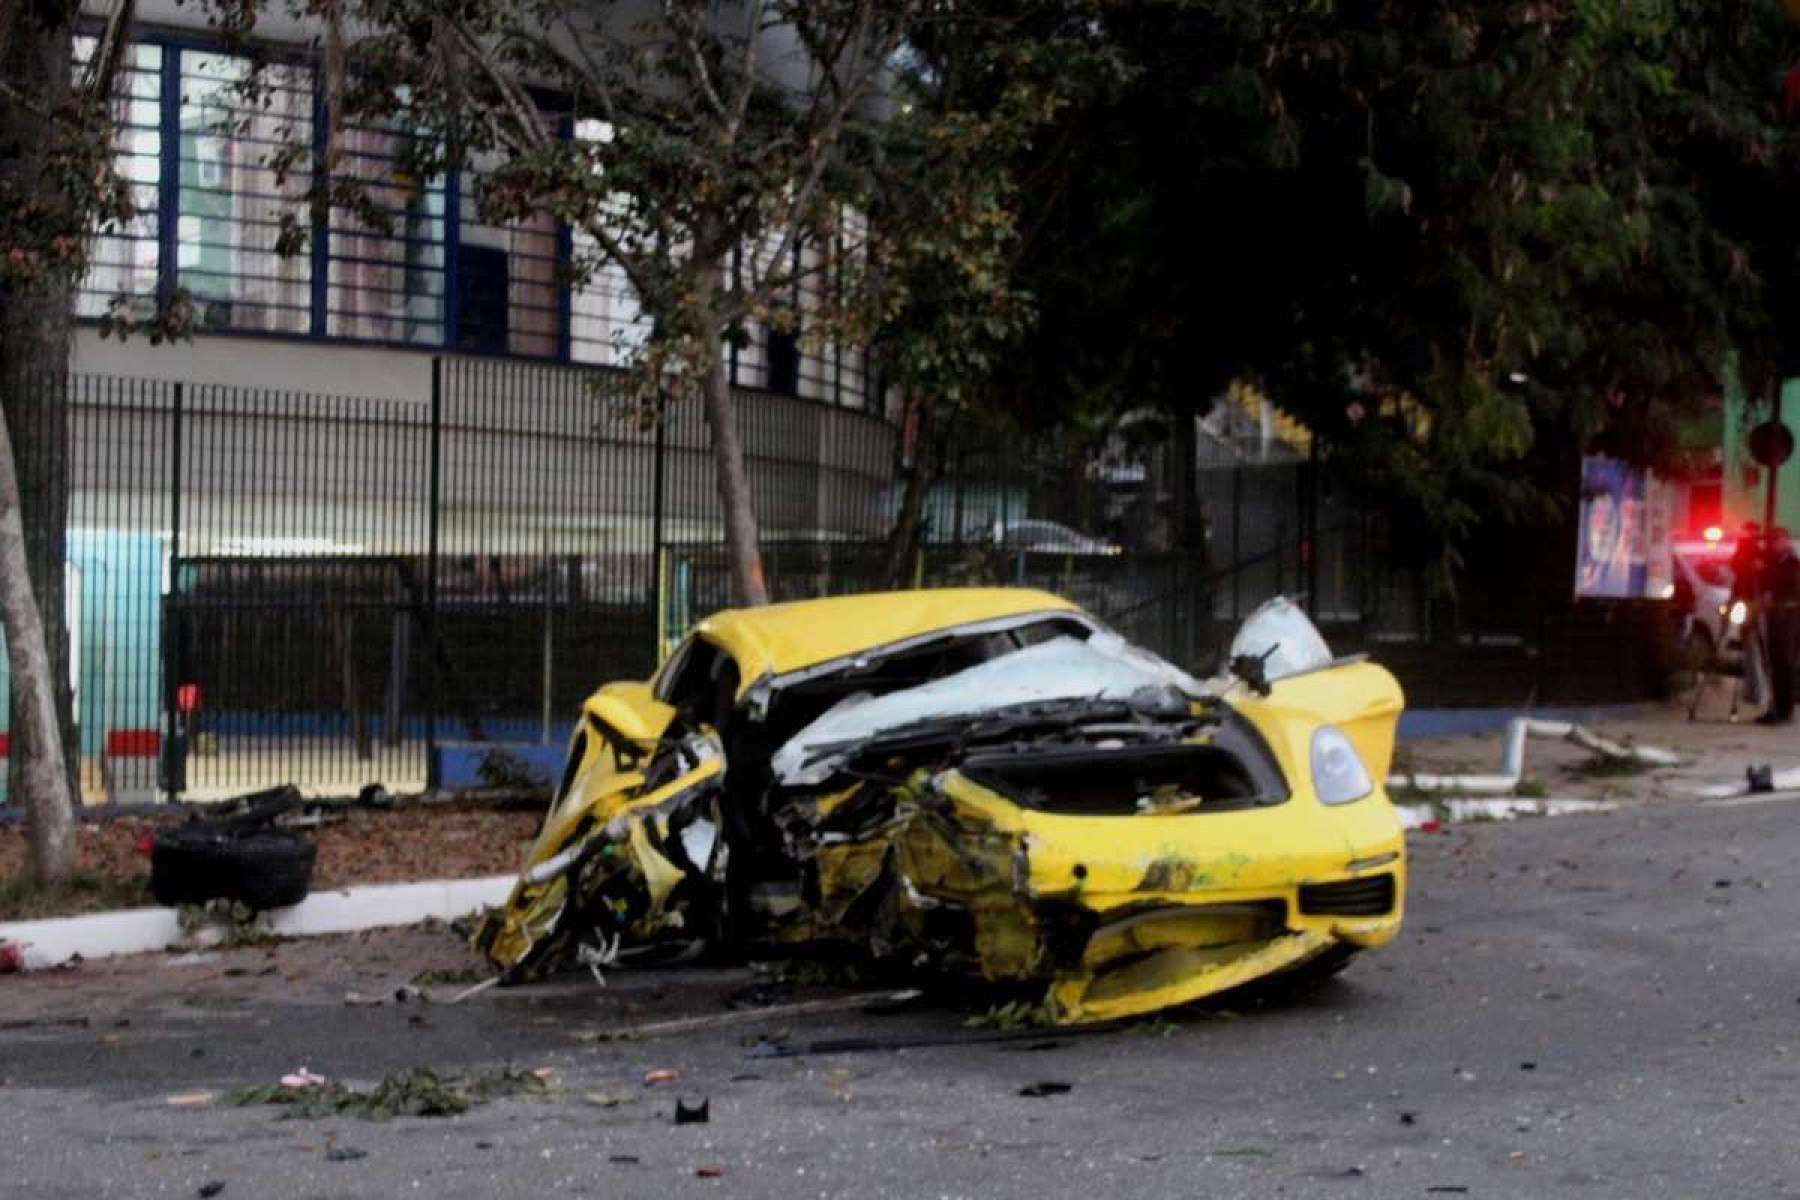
(1360, 698)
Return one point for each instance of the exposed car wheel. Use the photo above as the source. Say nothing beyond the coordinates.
(261, 868)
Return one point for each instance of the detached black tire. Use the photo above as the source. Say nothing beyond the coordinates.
(261, 868)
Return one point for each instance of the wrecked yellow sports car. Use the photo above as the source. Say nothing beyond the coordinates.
(983, 780)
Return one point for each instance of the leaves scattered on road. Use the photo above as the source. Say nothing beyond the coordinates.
(420, 1092)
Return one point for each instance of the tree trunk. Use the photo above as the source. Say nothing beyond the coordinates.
(903, 539)
(742, 555)
(33, 402)
(34, 357)
(38, 776)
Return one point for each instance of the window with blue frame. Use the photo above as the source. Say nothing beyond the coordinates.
(220, 159)
(606, 322)
(122, 264)
(232, 198)
(508, 282)
(387, 265)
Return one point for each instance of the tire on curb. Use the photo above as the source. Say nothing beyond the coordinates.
(260, 868)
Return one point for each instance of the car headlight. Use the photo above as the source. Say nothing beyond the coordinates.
(1738, 613)
(1338, 774)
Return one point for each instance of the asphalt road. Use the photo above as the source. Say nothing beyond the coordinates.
(1584, 1006)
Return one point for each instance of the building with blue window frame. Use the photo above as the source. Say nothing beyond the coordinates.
(212, 205)
(250, 518)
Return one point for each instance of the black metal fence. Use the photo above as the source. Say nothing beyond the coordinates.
(267, 586)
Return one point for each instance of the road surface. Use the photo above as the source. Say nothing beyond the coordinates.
(1583, 1006)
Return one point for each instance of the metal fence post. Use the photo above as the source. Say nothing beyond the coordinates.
(1237, 554)
(549, 661)
(658, 581)
(1312, 528)
(174, 749)
(435, 502)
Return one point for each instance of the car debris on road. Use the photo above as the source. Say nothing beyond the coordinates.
(978, 780)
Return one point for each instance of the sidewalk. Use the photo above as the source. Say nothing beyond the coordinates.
(1713, 752)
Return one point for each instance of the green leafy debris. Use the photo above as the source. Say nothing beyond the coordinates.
(1015, 1014)
(419, 1092)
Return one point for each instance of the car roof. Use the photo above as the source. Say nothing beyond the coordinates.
(779, 638)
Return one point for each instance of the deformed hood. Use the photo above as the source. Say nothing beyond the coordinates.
(1102, 667)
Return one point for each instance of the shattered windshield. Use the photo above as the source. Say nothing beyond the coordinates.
(1102, 667)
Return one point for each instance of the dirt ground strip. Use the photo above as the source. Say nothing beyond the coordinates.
(357, 846)
(369, 966)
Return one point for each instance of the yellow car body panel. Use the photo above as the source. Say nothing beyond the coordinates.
(615, 823)
(1174, 902)
(1360, 698)
(780, 638)
(631, 711)
(1200, 870)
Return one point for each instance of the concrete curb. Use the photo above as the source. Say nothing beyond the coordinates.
(1457, 810)
(138, 930)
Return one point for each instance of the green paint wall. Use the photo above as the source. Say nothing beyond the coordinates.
(1744, 480)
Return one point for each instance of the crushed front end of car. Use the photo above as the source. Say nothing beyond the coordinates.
(1069, 813)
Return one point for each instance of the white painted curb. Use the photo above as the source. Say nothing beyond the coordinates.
(1512, 759)
(1456, 811)
(1781, 781)
(137, 930)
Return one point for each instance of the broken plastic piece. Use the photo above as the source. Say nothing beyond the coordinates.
(192, 1099)
(1047, 1088)
(693, 1114)
(609, 1099)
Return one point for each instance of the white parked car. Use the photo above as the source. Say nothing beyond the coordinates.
(1048, 537)
(1710, 630)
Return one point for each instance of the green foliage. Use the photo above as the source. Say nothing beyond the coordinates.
(23, 899)
(1014, 1014)
(822, 972)
(61, 183)
(419, 1092)
(503, 769)
(1464, 242)
(236, 923)
(686, 149)
(1606, 766)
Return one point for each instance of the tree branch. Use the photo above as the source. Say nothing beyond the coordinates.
(525, 114)
(747, 71)
(687, 30)
(823, 141)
